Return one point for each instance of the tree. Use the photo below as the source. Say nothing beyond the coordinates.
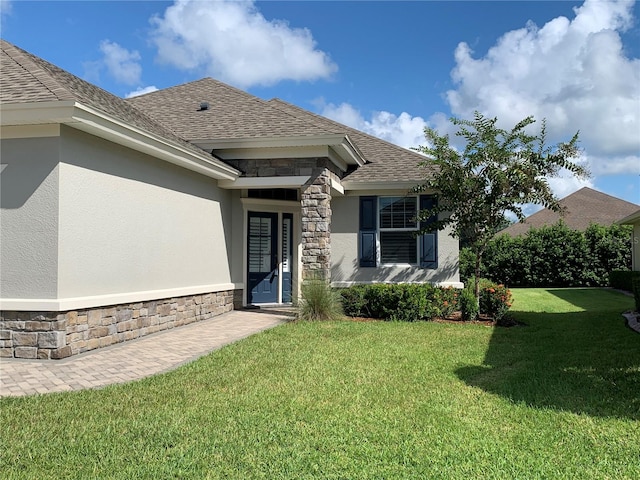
(499, 171)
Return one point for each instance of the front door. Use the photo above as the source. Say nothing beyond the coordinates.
(262, 253)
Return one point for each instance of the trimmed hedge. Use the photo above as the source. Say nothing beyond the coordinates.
(404, 301)
(623, 279)
(554, 256)
(409, 302)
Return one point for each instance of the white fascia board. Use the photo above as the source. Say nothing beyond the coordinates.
(269, 142)
(105, 126)
(271, 152)
(349, 150)
(343, 146)
(378, 185)
(264, 182)
(42, 130)
(630, 219)
(37, 113)
(336, 187)
(97, 123)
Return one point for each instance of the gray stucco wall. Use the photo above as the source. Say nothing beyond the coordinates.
(344, 253)
(132, 223)
(237, 238)
(29, 217)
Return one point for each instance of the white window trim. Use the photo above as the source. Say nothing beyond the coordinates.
(379, 229)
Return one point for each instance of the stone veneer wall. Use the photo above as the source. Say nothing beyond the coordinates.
(315, 201)
(316, 227)
(56, 335)
(279, 167)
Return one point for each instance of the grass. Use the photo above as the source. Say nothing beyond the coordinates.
(555, 399)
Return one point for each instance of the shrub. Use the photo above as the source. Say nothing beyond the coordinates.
(468, 304)
(319, 301)
(446, 300)
(623, 279)
(554, 256)
(495, 300)
(354, 301)
(404, 302)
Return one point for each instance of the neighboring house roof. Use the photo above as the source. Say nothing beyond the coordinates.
(584, 207)
(28, 79)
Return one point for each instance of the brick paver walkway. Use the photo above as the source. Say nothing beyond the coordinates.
(134, 359)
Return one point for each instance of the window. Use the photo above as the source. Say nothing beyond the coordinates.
(397, 225)
(388, 232)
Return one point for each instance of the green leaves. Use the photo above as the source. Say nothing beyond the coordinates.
(498, 172)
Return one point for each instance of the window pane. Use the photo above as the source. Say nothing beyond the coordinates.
(398, 247)
(398, 212)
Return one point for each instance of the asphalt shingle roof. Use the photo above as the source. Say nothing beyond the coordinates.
(174, 114)
(386, 161)
(232, 113)
(235, 114)
(26, 78)
(584, 207)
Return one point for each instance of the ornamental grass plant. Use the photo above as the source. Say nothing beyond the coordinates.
(318, 301)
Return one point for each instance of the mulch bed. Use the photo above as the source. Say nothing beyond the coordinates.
(456, 318)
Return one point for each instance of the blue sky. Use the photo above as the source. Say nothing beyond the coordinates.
(387, 68)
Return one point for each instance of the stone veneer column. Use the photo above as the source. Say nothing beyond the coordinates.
(316, 227)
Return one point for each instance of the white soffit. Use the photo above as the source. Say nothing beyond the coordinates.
(265, 182)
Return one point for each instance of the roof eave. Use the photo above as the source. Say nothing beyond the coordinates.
(630, 219)
(347, 153)
(101, 125)
(352, 185)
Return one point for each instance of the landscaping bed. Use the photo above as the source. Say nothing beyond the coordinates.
(367, 400)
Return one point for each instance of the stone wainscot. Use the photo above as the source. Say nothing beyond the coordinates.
(56, 335)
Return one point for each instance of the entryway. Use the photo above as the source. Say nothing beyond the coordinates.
(269, 257)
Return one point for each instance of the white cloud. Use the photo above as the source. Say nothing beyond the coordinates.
(403, 130)
(575, 73)
(5, 7)
(122, 64)
(232, 41)
(141, 91)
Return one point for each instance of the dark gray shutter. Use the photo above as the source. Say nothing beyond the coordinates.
(367, 236)
(429, 239)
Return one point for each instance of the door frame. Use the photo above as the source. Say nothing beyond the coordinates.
(280, 207)
(266, 281)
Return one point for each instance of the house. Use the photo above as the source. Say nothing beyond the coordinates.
(633, 219)
(120, 218)
(582, 208)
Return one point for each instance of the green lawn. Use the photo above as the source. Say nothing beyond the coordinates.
(558, 398)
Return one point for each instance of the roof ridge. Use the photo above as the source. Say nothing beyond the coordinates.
(360, 132)
(28, 62)
(593, 190)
